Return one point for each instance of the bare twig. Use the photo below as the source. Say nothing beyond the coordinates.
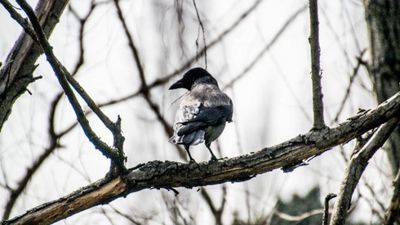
(82, 22)
(266, 48)
(357, 165)
(318, 106)
(125, 215)
(20, 20)
(218, 39)
(347, 93)
(203, 34)
(325, 216)
(21, 185)
(216, 211)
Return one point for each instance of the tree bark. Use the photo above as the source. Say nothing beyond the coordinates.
(169, 175)
(16, 74)
(383, 20)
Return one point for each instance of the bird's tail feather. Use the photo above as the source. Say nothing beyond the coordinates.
(193, 138)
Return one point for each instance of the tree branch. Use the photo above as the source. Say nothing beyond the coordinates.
(157, 174)
(318, 106)
(356, 167)
(64, 78)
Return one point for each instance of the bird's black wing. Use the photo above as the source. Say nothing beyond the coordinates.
(207, 116)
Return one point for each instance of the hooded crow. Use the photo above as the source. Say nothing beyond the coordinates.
(203, 111)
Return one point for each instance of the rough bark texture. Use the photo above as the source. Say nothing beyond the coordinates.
(383, 19)
(17, 71)
(168, 175)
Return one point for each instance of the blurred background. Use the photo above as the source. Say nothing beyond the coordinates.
(258, 51)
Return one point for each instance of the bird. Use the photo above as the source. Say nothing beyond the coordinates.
(203, 111)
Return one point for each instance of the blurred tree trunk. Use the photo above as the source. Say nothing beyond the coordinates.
(383, 20)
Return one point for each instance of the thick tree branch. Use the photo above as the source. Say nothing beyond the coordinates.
(356, 167)
(318, 106)
(157, 174)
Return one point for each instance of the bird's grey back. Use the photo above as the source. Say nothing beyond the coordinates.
(201, 96)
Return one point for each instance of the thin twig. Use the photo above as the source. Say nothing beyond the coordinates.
(203, 34)
(82, 22)
(348, 89)
(20, 20)
(218, 39)
(266, 48)
(216, 211)
(318, 107)
(325, 217)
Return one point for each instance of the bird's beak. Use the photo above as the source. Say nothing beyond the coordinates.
(176, 85)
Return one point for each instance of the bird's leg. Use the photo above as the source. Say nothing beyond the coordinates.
(213, 158)
(188, 152)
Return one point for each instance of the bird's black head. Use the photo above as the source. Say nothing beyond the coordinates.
(192, 77)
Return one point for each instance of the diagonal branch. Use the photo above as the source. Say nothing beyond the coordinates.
(356, 167)
(65, 79)
(318, 106)
(157, 174)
